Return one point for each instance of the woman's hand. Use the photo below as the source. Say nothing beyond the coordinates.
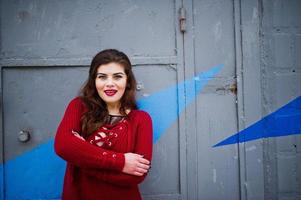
(78, 135)
(135, 164)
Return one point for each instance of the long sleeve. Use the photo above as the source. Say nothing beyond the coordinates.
(143, 146)
(79, 152)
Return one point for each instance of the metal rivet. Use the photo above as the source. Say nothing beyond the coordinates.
(139, 86)
(116, 134)
(24, 136)
(104, 153)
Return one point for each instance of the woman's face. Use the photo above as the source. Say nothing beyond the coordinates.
(111, 82)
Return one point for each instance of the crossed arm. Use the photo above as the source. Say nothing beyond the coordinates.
(114, 167)
(136, 167)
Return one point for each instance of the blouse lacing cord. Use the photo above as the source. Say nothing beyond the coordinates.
(105, 135)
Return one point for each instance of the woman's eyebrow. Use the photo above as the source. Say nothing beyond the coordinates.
(119, 73)
(100, 74)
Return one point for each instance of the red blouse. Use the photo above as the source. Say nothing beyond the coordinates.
(94, 167)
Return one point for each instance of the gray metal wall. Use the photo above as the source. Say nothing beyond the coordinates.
(281, 82)
(46, 48)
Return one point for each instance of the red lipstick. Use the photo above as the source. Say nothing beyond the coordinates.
(110, 92)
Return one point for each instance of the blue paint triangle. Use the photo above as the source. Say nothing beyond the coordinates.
(284, 121)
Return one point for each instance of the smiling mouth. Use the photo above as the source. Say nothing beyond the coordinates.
(110, 92)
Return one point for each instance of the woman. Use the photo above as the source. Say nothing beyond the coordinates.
(105, 140)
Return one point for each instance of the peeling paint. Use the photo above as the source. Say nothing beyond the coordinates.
(214, 175)
(130, 9)
(218, 31)
(251, 148)
(255, 14)
(23, 16)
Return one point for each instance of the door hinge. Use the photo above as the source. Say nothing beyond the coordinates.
(182, 19)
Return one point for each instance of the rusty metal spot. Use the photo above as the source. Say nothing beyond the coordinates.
(23, 15)
(229, 87)
(233, 88)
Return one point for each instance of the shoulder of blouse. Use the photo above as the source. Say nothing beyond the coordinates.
(141, 115)
(77, 102)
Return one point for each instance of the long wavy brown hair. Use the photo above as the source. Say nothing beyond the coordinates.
(97, 112)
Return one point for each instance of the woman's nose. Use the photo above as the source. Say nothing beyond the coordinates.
(109, 82)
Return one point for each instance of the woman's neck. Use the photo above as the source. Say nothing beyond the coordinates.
(114, 109)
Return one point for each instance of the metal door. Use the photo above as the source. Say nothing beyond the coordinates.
(32, 101)
(45, 53)
(210, 56)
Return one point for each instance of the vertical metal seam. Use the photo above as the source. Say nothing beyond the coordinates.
(236, 104)
(185, 110)
(196, 102)
(238, 46)
(184, 102)
(269, 159)
(2, 135)
(2, 195)
(180, 39)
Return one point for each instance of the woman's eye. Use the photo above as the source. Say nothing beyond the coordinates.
(118, 77)
(101, 77)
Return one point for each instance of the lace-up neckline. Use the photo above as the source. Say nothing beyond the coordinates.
(114, 119)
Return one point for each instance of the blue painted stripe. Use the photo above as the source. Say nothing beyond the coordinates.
(36, 174)
(284, 121)
(1, 182)
(164, 106)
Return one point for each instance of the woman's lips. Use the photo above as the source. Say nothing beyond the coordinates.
(110, 92)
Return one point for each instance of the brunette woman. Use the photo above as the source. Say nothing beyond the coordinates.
(105, 139)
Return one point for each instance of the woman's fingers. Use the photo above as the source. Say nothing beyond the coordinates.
(143, 161)
(138, 174)
(80, 137)
(141, 170)
(143, 166)
(135, 164)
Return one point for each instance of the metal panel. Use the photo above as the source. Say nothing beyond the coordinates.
(252, 178)
(68, 29)
(281, 22)
(34, 100)
(215, 108)
(165, 164)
